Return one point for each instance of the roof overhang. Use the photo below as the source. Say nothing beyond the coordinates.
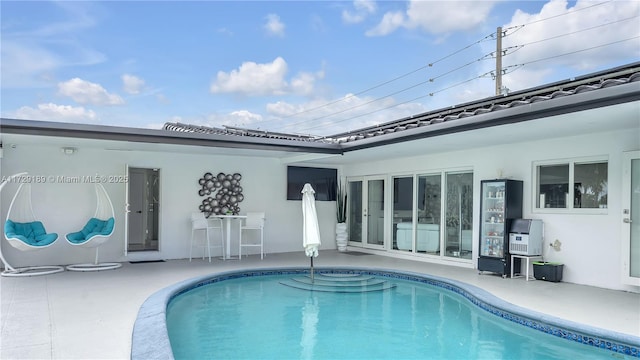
(152, 136)
(529, 112)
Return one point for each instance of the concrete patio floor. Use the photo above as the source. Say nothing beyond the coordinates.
(74, 315)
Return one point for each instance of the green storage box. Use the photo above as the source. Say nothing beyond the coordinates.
(548, 271)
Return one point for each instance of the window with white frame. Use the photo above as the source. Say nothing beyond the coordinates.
(577, 184)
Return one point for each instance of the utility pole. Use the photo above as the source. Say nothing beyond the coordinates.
(499, 61)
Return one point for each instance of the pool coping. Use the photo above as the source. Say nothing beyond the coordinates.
(150, 338)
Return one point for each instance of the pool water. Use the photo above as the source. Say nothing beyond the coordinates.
(264, 317)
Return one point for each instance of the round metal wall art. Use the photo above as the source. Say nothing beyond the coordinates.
(224, 194)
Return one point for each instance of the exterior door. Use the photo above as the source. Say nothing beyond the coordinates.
(631, 218)
(459, 214)
(366, 212)
(142, 209)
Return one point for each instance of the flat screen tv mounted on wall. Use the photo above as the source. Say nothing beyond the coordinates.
(323, 181)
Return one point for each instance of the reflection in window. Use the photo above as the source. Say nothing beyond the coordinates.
(459, 214)
(589, 190)
(428, 235)
(590, 185)
(429, 189)
(355, 211)
(553, 188)
(402, 213)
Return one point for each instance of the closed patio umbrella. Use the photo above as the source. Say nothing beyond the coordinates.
(310, 228)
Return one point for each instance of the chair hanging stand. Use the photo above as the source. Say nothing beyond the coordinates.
(96, 232)
(24, 232)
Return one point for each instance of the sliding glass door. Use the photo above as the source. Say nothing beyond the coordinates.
(430, 214)
(419, 214)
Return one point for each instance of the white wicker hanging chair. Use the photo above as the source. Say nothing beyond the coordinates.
(23, 231)
(96, 232)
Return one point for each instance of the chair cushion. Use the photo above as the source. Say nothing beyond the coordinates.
(31, 233)
(94, 227)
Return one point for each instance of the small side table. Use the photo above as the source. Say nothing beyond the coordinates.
(527, 259)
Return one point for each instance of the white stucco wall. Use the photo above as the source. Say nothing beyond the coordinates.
(591, 243)
(65, 207)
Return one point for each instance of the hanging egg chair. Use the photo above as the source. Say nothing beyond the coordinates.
(23, 231)
(96, 232)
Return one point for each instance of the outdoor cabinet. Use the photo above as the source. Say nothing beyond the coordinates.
(500, 204)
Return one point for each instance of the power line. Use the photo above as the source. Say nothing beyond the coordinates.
(490, 55)
(581, 50)
(381, 84)
(399, 91)
(579, 31)
(358, 93)
(462, 49)
(511, 68)
(400, 103)
(506, 70)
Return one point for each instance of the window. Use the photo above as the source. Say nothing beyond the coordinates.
(590, 186)
(588, 190)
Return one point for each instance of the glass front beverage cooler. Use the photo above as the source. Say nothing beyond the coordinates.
(500, 203)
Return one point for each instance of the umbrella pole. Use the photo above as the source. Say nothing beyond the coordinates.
(311, 257)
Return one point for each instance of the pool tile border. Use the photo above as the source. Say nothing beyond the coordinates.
(150, 338)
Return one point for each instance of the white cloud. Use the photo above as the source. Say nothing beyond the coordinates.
(543, 47)
(446, 16)
(362, 9)
(435, 17)
(244, 117)
(85, 92)
(53, 112)
(253, 79)
(274, 26)
(389, 23)
(239, 118)
(132, 84)
(304, 83)
(264, 79)
(365, 5)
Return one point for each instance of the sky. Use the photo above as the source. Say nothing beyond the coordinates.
(300, 67)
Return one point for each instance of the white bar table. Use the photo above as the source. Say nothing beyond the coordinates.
(527, 259)
(227, 219)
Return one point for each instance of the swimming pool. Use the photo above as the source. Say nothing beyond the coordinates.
(299, 307)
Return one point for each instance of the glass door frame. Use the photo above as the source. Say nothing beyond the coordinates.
(366, 213)
(420, 238)
(630, 218)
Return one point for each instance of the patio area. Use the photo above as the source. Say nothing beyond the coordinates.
(73, 315)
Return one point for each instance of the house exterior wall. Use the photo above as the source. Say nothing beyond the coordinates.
(591, 243)
(65, 207)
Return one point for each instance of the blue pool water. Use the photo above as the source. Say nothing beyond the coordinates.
(277, 317)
